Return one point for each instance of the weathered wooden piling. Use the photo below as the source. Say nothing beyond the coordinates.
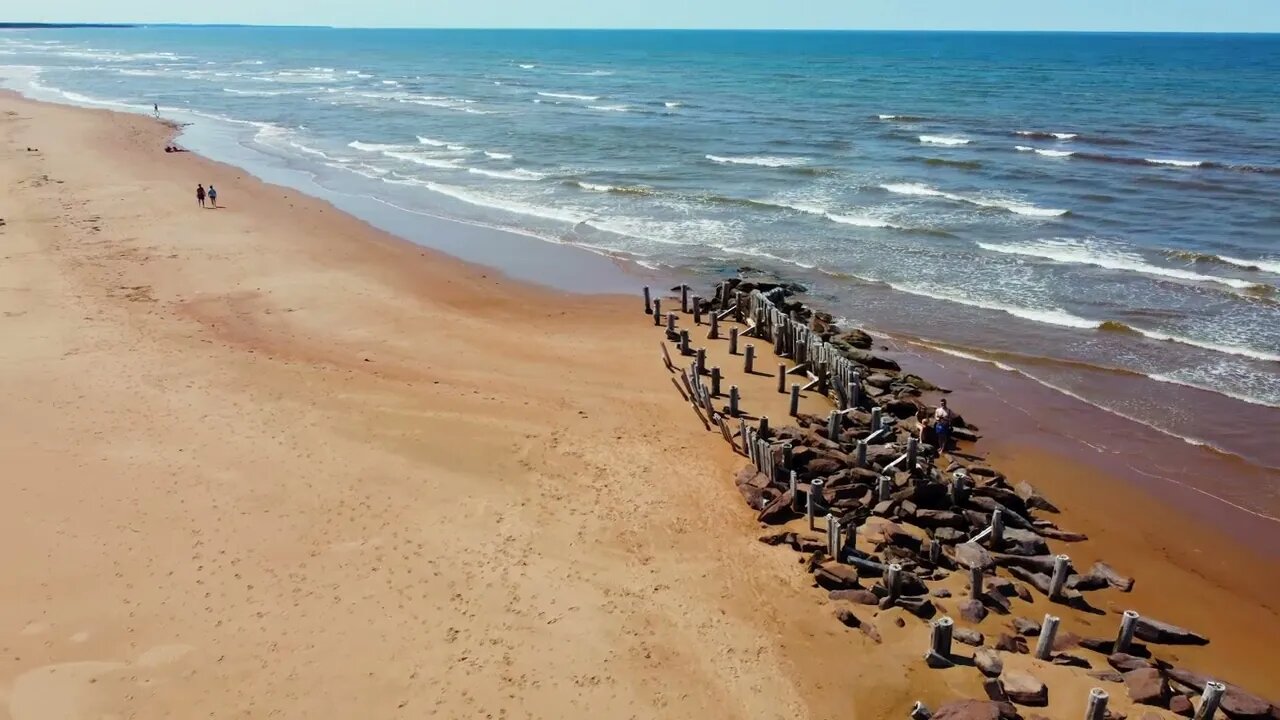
(875, 419)
(884, 489)
(715, 382)
(1058, 581)
(794, 486)
(1128, 625)
(684, 342)
(700, 362)
(893, 581)
(657, 311)
(997, 529)
(749, 361)
(1097, 708)
(671, 322)
(1048, 629)
(733, 401)
(684, 298)
(811, 502)
(959, 489)
(648, 303)
(795, 400)
(714, 332)
(782, 378)
(833, 426)
(733, 341)
(697, 310)
(833, 536)
(862, 454)
(853, 395)
(940, 637)
(763, 429)
(913, 449)
(1210, 699)
(975, 582)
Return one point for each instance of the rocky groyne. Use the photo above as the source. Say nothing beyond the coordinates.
(884, 519)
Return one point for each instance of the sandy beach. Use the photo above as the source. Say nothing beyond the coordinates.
(268, 461)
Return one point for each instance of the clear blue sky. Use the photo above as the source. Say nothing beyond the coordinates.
(1104, 15)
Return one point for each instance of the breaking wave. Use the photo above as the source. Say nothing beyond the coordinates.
(1017, 208)
(761, 160)
(943, 140)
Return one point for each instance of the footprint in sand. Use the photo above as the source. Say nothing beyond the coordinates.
(63, 691)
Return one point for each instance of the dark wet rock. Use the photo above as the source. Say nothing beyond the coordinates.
(1023, 626)
(874, 362)
(1107, 676)
(860, 596)
(1023, 593)
(997, 602)
(972, 611)
(988, 661)
(1039, 581)
(902, 409)
(1118, 581)
(1147, 686)
(1181, 705)
(1155, 631)
(852, 340)
(1024, 689)
(1087, 582)
(1127, 663)
(1000, 585)
(921, 607)
(965, 636)
(1012, 643)
(939, 519)
(1063, 535)
(1033, 498)
(1023, 542)
(778, 511)
(968, 710)
(948, 536)
(778, 538)
(1035, 563)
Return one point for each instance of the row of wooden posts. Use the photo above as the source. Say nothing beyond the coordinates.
(830, 372)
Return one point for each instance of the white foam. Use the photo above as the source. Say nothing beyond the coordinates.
(569, 96)
(593, 187)
(855, 220)
(431, 142)
(1013, 207)
(1263, 264)
(1212, 346)
(254, 93)
(1058, 135)
(497, 155)
(424, 160)
(761, 160)
(610, 108)
(480, 199)
(593, 73)
(1046, 153)
(1175, 163)
(529, 66)
(943, 140)
(457, 148)
(373, 147)
(673, 104)
(514, 174)
(1072, 251)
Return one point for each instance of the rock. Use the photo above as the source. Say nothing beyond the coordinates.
(921, 607)
(1003, 586)
(997, 602)
(971, 555)
(1039, 563)
(948, 536)
(754, 496)
(872, 361)
(879, 380)
(1155, 631)
(1237, 703)
(1146, 686)
(1039, 581)
(833, 576)
(1012, 643)
(991, 688)
(1023, 626)
(942, 593)
(871, 632)
(1087, 582)
(1180, 705)
(1118, 581)
(972, 611)
(856, 595)
(989, 662)
(1107, 676)
(855, 339)
(968, 710)
(778, 538)
(1024, 689)
(901, 409)
(936, 661)
(1070, 660)
(1032, 498)
(1127, 663)
(1023, 542)
(1063, 535)
(965, 636)
(939, 519)
(1101, 645)
(1024, 594)
(820, 467)
(777, 512)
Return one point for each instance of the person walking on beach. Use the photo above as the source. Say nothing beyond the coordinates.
(200, 194)
(156, 106)
(213, 196)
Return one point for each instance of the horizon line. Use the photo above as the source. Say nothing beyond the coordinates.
(13, 25)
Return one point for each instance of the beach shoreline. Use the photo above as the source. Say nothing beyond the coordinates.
(284, 331)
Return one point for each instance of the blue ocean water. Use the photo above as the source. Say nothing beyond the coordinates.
(1074, 206)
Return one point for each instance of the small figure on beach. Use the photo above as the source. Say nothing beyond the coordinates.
(157, 108)
(213, 196)
(200, 194)
(942, 419)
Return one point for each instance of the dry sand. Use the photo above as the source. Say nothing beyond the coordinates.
(266, 461)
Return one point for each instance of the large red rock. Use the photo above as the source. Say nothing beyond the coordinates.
(1147, 686)
(968, 710)
(1024, 689)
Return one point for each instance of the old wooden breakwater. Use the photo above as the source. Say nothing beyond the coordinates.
(880, 515)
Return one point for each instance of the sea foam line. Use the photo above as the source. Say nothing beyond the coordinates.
(943, 140)
(1071, 251)
(761, 160)
(922, 190)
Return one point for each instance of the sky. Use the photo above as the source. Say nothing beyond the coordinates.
(1088, 15)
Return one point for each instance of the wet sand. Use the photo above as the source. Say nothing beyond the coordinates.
(268, 459)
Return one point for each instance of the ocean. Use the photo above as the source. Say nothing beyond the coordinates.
(1098, 212)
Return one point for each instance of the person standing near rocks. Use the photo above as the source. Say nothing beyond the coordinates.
(942, 419)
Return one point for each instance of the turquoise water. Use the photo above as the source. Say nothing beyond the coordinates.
(1073, 206)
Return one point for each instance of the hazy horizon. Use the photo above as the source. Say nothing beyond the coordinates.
(1112, 16)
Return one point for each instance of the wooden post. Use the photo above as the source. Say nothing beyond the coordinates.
(822, 378)
(684, 342)
(793, 486)
(715, 382)
(782, 378)
(795, 400)
(700, 363)
(733, 340)
(940, 637)
(853, 396)
(833, 536)
(811, 501)
(875, 419)
(959, 489)
(997, 529)
(764, 427)
(786, 456)
(697, 310)
(833, 426)
(1128, 624)
(648, 304)
(657, 312)
(935, 552)
(1097, 709)
(893, 581)
(714, 334)
(1044, 648)
(862, 454)
(913, 449)
(884, 488)
(1061, 568)
(749, 364)
(733, 401)
(671, 322)
(778, 334)
(975, 582)
(1210, 700)
(684, 298)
